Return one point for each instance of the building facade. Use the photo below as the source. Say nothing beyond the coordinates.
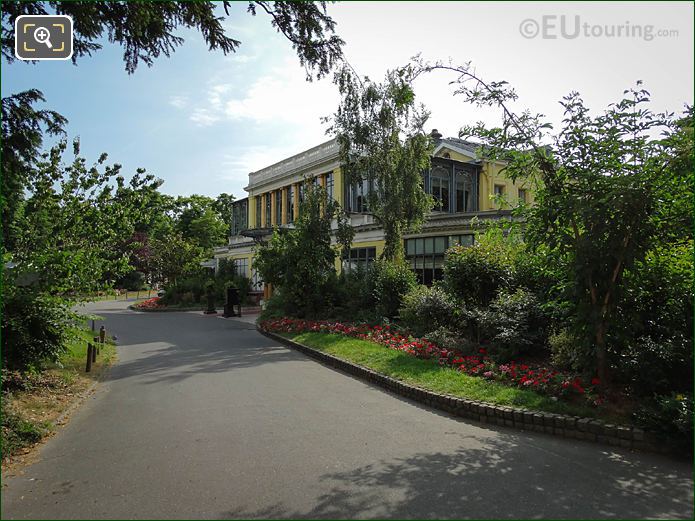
(465, 188)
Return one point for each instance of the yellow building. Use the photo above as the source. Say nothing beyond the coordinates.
(464, 187)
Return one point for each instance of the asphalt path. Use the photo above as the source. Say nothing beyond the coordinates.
(203, 417)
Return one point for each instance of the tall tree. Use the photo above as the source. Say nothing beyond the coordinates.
(23, 128)
(382, 140)
(600, 182)
(146, 30)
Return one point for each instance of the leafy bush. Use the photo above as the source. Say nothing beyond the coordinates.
(133, 281)
(569, 351)
(35, 327)
(17, 432)
(474, 274)
(651, 347)
(389, 282)
(670, 417)
(515, 324)
(353, 296)
(452, 340)
(427, 309)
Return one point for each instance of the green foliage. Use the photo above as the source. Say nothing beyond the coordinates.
(172, 258)
(474, 274)
(515, 324)
(133, 281)
(651, 346)
(569, 351)
(389, 282)
(426, 309)
(146, 31)
(17, 432)
(670, 417)
(300, 262)
(382, 140)
(23, 128)
(35, 327)
(354, 299)
(603, 183)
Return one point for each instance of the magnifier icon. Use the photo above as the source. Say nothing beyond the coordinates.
(42, 35)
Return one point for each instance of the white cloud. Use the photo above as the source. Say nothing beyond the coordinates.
(179, 102)
(204, 117)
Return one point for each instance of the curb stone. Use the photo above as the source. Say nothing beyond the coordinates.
(571, 427)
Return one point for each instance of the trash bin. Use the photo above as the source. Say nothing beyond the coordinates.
(231, 301)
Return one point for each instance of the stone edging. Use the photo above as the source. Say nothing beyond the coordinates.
(163, 310)
(572, 427)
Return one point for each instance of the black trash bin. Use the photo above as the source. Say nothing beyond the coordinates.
(231, 301)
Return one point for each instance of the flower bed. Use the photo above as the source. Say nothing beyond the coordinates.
(150, 304)
(541, 379)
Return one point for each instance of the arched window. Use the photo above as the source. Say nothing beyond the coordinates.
(466, 191)
(440, 183)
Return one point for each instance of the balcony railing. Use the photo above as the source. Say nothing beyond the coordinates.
(297, 162)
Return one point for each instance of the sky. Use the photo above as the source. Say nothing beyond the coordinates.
(202, 121)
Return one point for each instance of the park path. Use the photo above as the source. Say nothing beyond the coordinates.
(202, 417)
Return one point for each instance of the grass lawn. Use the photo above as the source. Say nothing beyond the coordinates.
(429, 375)
(31, 413)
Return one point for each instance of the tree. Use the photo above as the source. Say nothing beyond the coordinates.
(599, 182)
(300, 262)
(382, 140)
(23, 128)
(173, 257)
(223, 205)
(146, 30)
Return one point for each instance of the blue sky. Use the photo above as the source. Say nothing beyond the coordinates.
(201, 120)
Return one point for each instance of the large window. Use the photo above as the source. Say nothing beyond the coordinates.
(240, 216)
(426, 255)
(268, 209)
(440, 184)
(241, 267)
(329, 185)
(357, 195)
(359, 258)
(290, 204)
(466, 191)
(259, 209)
(278, 207)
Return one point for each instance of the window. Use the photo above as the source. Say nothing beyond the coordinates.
(240, 216)
(426, 255)
(329, 185)
(359, 258)
(290, 204)
(278, 207)
(357, 196)
(439, 182)
(522, 196)
(466, 191)
(241, 267)
(268, 206)
(462, 240)
(259, 209)
(256, 282)
(499, 190)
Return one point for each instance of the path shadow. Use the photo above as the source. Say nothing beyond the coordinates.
(499, 479)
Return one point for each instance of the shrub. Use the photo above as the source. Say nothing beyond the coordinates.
(389, 282)
(474, 274)
(568, 351)
(133, 281)
(353, 296)
(514, 323)
(426, 309)
(651, 347)
(17, 432)
(35, 327)
(670, 417)
(452, 340)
